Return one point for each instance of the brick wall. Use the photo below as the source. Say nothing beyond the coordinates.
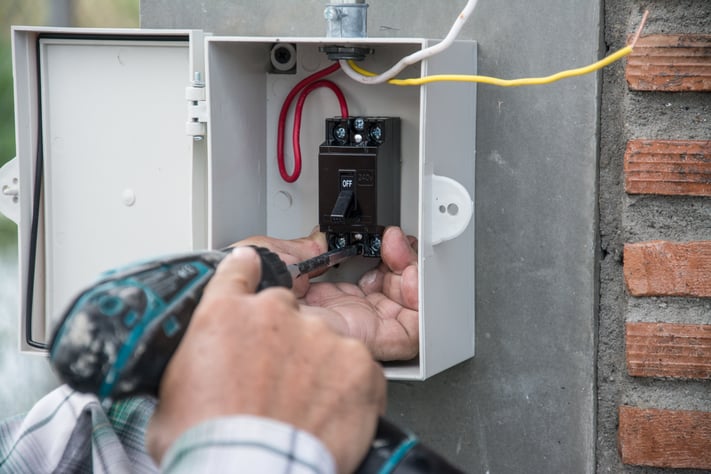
(666, 278)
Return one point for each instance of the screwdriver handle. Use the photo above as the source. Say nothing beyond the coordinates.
(118, 335)
(274, 270)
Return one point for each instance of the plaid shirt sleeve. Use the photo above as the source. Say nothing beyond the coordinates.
(70, 432)
(247, 444)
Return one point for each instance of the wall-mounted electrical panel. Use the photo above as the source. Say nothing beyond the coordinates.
(138, 143)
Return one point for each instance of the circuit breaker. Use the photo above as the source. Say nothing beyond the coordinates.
(359, 181)
(138, 143)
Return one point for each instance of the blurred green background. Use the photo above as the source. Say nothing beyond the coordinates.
(88, 13)
(28, 377)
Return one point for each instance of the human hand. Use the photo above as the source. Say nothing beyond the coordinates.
(298, 370)
(380, 310)
(293, 251)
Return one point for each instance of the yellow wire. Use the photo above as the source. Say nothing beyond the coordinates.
(526, 81)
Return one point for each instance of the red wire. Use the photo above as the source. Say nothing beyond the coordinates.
(290, 178)
(296, 134)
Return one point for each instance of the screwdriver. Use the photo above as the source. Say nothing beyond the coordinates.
(117, 337)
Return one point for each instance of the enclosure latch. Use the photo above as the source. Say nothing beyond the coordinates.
(10, 190)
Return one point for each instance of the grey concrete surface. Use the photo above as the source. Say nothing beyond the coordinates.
(526, 402)
(626, 115)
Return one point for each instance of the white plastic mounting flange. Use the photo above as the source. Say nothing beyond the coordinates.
(452, 209)
(10, 190)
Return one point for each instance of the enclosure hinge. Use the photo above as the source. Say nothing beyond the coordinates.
(196, 126)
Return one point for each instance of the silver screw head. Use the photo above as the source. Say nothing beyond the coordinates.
(340, 132)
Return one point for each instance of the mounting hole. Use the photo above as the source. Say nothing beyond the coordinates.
(451, 209)
(283, 57)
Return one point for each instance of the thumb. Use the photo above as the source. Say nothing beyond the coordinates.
(238, 273)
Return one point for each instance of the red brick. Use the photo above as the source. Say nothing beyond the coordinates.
(668, 167)
(665, 438)
(661, 268)
(668, 350)
(670, 63)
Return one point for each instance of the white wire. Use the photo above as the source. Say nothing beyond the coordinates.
(416, 56)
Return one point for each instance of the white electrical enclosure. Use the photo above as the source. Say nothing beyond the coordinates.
(140, 160)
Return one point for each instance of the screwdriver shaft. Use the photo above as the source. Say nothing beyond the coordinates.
(324, 260)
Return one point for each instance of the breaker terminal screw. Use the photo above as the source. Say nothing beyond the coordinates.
(375, 244)
(340, 133)
(376, 133)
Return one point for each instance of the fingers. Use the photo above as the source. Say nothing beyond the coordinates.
(238, 273)
(398, 253)
(318, 238)
(409, 288)
(398, 250)
(291, 251)
(402, 289)
(398, 339)
(306, 247)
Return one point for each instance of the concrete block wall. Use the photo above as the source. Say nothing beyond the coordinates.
(654, 356)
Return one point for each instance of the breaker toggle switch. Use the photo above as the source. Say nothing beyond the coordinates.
(345, 202)
(340, 211)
